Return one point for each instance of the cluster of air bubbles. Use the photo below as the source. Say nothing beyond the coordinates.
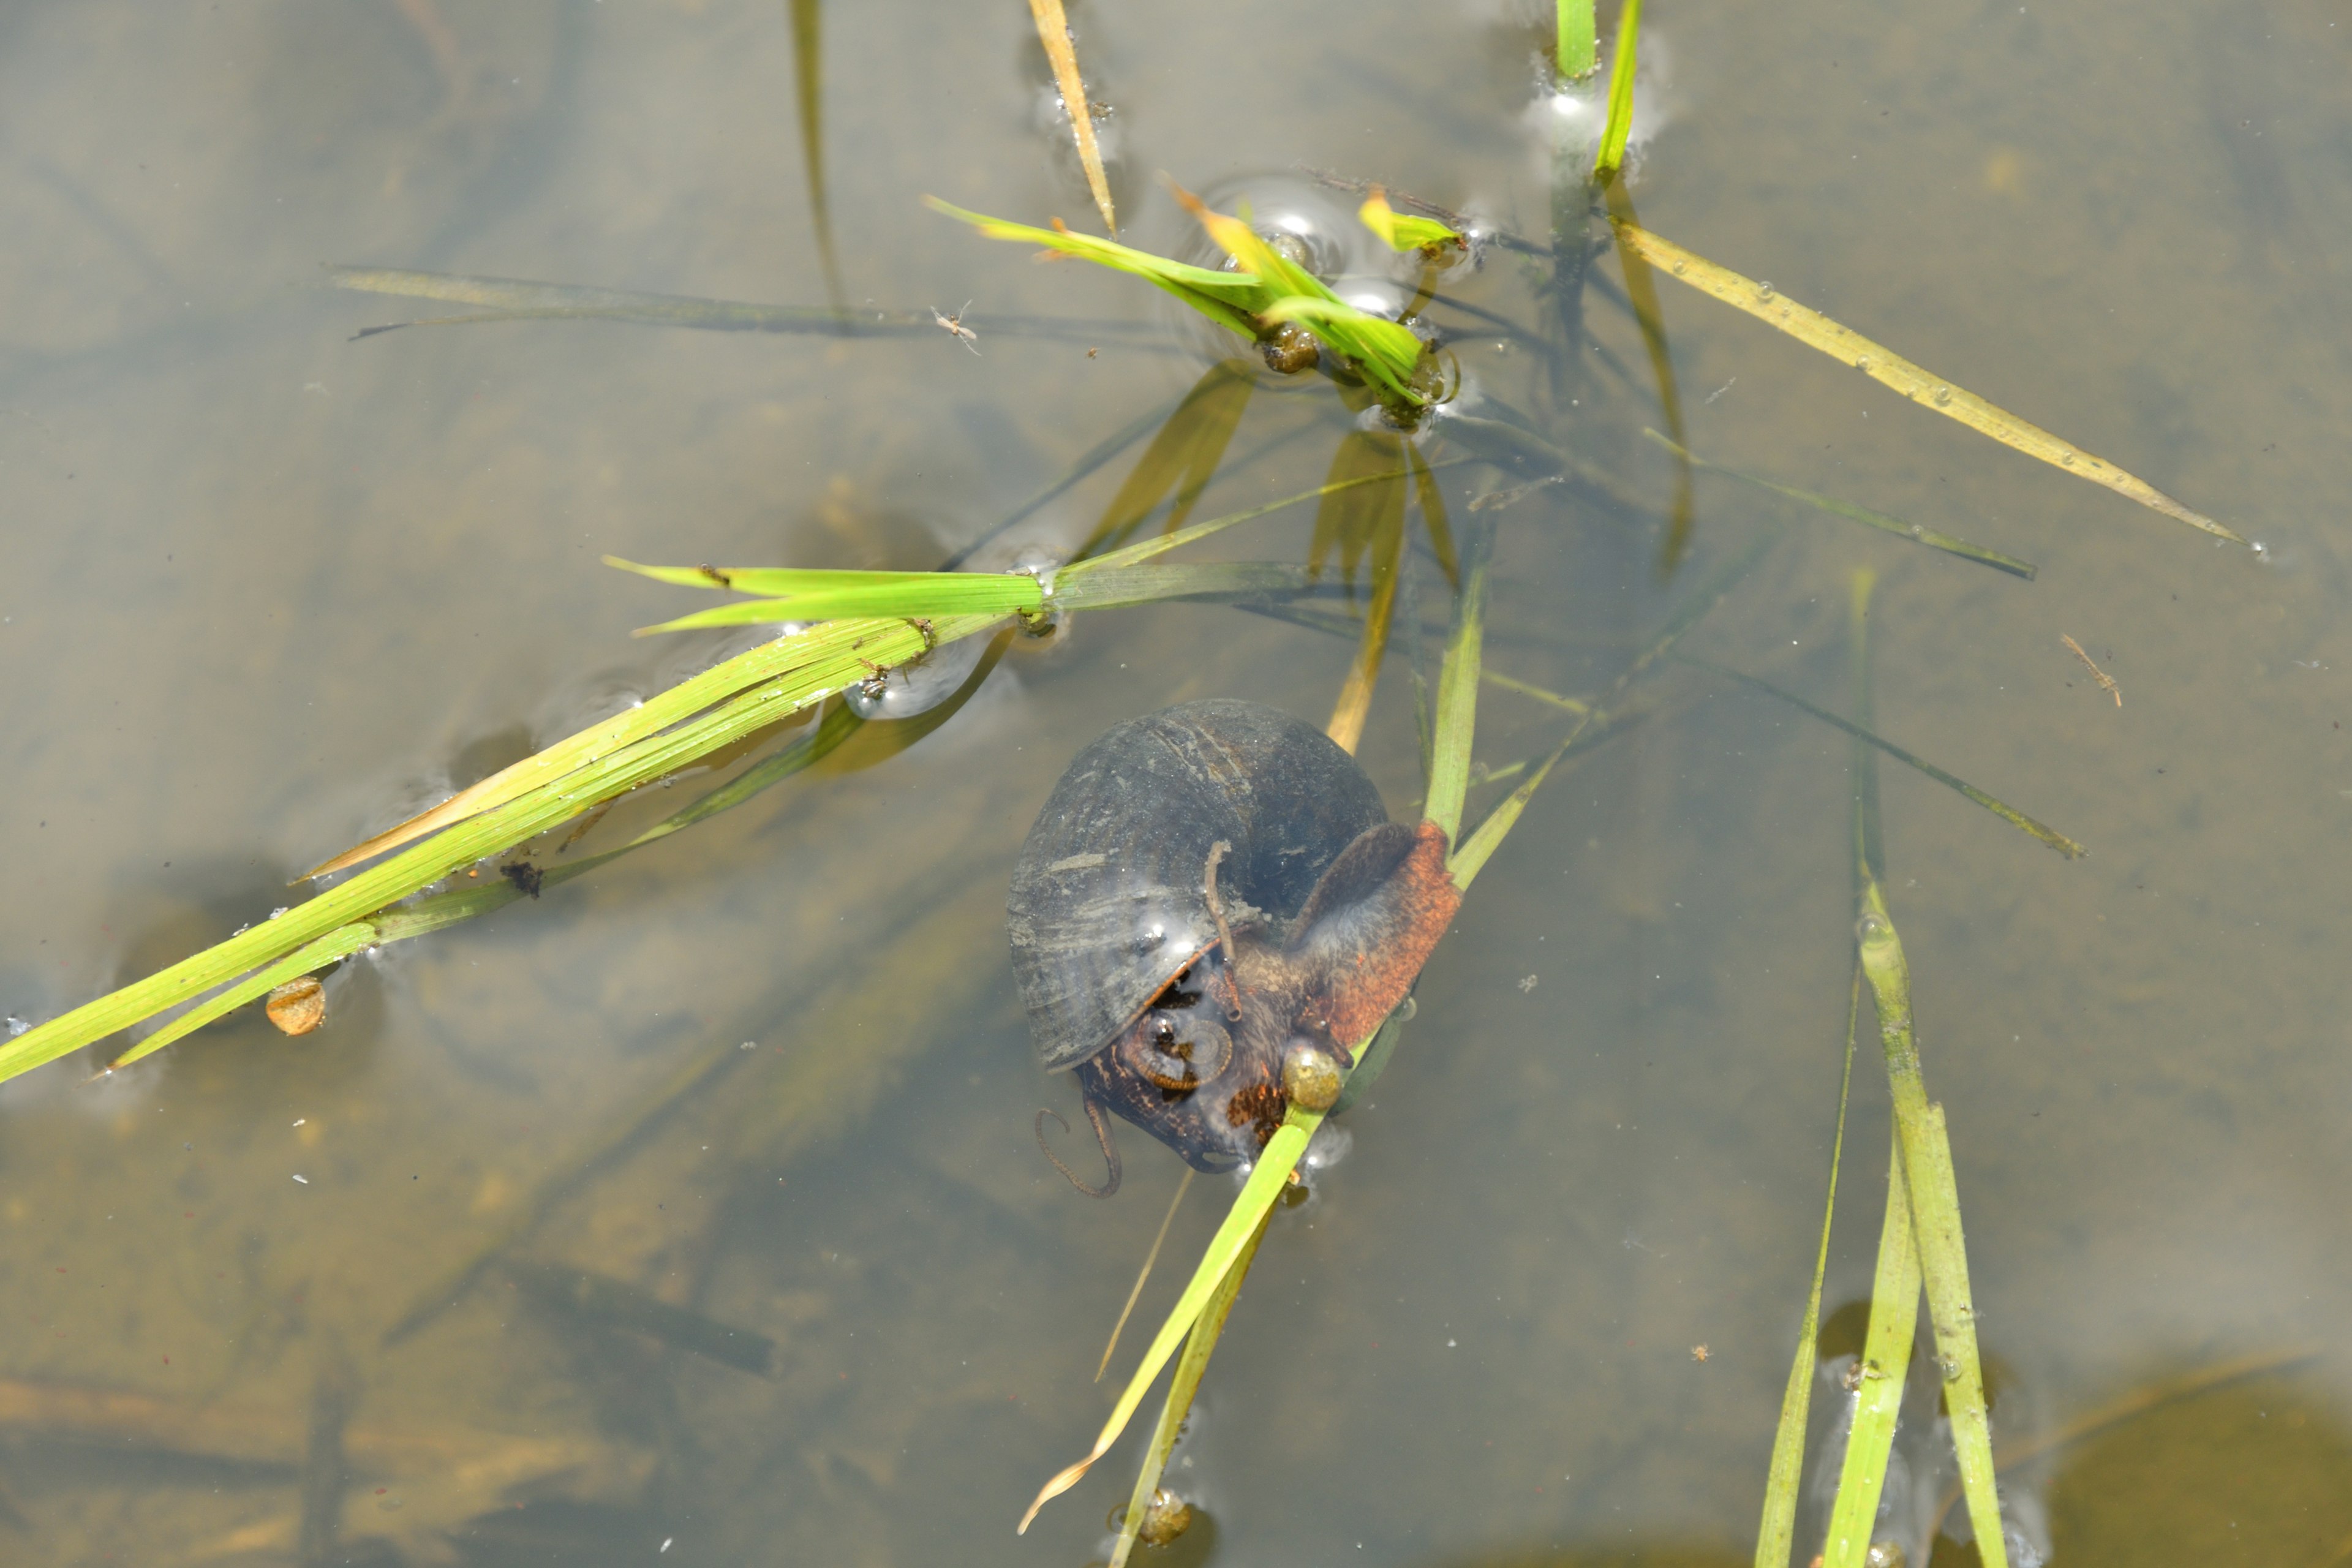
(1306, 222)
(1570, 116)
(17, 1026)
(920, 684)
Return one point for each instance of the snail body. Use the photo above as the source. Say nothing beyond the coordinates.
(1209, 911)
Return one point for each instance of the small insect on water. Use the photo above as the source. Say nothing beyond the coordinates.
(954, 327)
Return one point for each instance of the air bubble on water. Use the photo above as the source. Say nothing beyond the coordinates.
(921, 684)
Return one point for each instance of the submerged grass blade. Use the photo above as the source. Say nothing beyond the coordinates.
(1890, 368)
(521, 300)
(1621, 92)
(1935, 1208)
(1869, 843)
(1198, 1345)
(2007, 812)
(1642, 290)
(1387, 545)
(1862, 514)
(1885, 1366)
(1069, 576)
(808, 90)
(1776, 1536)
(1183, 458)
(1054, 33)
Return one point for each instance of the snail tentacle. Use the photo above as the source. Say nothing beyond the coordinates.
(1102, 1136)
(1217, 852)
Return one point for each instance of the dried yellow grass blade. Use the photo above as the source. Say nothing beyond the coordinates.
(1888, 368)
(1053, 32)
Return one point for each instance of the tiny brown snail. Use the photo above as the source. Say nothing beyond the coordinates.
(1211, 910)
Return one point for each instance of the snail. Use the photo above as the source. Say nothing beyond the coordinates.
(1211, 910)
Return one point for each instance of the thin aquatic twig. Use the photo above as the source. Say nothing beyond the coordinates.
(1149, 1258)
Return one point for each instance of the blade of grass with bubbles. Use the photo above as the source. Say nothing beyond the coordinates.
(2007, 812)
(1886, 1365)
(816, 655)
(1054, 33)
(1388, 352)
(1861, 515)
(1890, 368)
(1198, 1345)
(1935, 1211)
(827, 659)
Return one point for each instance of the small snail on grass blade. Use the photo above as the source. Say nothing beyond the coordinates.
(1211, 910)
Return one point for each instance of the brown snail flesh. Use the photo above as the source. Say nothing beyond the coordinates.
(1211, 910)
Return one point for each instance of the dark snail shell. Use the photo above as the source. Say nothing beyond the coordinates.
(1109, 902)
(1206, 889)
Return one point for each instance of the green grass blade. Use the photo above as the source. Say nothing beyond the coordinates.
(1232, 299)
(1406, 231)
(824, 647)
(2007, 812)
(1934, 1205)
(1457, 693)
(1255, 1200)
(1886, 1365)
(814, 664)
(908, 603)
(1776, 1536)
(335, 945)
(1621, 92)
(1913, 532)
(1198, 1345)
(1579, 39)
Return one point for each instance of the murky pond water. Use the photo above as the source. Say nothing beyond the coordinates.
(691, 1212)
